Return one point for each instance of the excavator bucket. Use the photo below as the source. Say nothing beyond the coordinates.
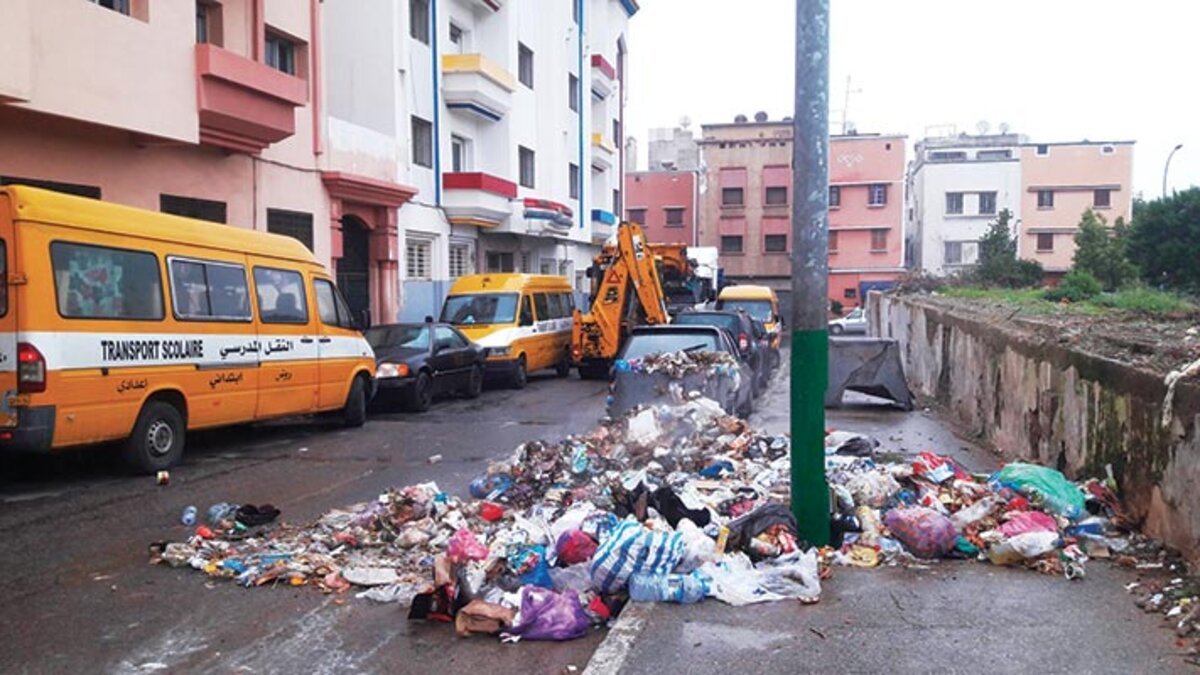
(867, 365)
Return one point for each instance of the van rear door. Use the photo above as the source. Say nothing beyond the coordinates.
(8, 315)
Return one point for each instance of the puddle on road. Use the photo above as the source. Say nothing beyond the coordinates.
(720, 636)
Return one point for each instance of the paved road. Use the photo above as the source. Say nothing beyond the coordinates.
(78, 595)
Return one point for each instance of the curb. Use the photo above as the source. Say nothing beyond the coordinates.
(609, 658)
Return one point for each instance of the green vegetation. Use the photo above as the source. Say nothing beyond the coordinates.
(1164, 241)
(1142, 299)
(998, 264)
(1100, 252)
(1034, 301)
(1077, 286)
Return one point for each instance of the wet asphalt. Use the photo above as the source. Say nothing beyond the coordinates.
(77, 594)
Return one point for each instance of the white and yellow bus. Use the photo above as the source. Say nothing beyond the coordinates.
(118, 323)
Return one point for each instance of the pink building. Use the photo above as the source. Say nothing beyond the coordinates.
(1059, 181)
(207, 109)
(747, 207)
(664, 203)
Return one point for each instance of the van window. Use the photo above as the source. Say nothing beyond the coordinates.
(281, 297)
(526, 312)
(480, 309)
(542, 304)
(332, 309)
(209, 291)
(94, 282)
(556, 307)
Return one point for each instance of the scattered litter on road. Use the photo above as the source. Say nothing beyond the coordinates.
(163, 478)
(434, 459)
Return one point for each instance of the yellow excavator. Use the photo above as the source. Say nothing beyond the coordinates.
(627, 291)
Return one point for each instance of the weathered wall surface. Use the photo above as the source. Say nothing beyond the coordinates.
(1041, 401)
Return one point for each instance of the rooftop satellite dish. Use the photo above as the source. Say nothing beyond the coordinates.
(761, 117)
(740, 119)
(983, 127)
(1004, 127)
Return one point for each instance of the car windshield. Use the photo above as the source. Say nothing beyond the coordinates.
(645, 344)
(855, 315)
(485, 308)
(729, 322)
(396, 337)
(759, 309)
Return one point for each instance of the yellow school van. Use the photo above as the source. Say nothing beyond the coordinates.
(760, 302)
(123, 324)
(522, 320)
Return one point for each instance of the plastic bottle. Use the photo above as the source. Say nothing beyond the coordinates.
(681, 588)
(189, 516)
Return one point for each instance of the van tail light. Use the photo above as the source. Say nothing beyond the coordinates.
(743, 342)
(31, 369)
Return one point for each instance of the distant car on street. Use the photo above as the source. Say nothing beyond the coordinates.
(631, 388)
(750, 338)
(419, 361)
(854, 322)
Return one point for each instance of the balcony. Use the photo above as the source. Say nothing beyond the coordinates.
(244, 105)
(478, 199)
(487, 5)
(604, 77)
(476, 86)
(604, 155)
(603, 225)
(539, 218)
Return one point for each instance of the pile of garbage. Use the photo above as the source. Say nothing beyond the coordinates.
(678, 364)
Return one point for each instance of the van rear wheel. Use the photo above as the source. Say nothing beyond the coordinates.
(157, 440)
(355, 412)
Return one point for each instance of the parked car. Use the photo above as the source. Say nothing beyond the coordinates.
(631, 388)
(418, 361)
(752, 344)
(854, 322)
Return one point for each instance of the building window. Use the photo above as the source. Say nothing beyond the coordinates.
(637, 216)
(850, 293)
(954, 203)
(993, 154)
(526, 263)
(877, 195)
(835, 196)
(879, 241)
(947, 155)
(527, 165)
(573, 92)
(987, 203)
(617, 133)
(418, 20)
(954, 253)
(833, 241)
(1107, 150)
(462, 260)
(188, 207)
(418, 259)
(458, 39)
(575, 11)
(422, 142)
(525, 65)
(1045, 199)
(732, 197)
(90, 191)
(776, 196)
(460, 154)
(208, 23)
(573, 178)
(731, 243)
(295, 224)
(1043, 150)
(1102, 199)
(775, 243)
(1045, 242)
(281, 53)
(674, 216)
(498, 261)
(121, 6)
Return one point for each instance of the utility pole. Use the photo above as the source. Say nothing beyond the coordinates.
(810, 271)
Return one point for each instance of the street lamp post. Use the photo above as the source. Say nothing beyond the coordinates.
(1167, 167)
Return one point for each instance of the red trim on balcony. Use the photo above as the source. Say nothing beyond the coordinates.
(598, 61)
(479, 181)
(547, 205)
(244, 105)
(362, 190)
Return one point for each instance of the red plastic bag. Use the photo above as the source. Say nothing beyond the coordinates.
(574, 547)
(924, 532)
(1028, 521)
(936, 468)
(464, 546)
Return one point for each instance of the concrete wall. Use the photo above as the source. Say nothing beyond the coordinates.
(1043, 402)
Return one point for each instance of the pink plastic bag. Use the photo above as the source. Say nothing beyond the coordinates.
(464, 546)
(1028, 521)
(546, 615)
(924, 532)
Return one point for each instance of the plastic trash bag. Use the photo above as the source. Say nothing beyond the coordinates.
(1028, 521)
(574, 547)
(633, 549)
(924, 532)
(749, 526)
(571, 519)
(794, 575)
(464, 546)
(873, 488)
(1043, 485)
(699, 548)
(529, 563)
(975, 512)
(735, 581)
(546, 615)
(574, 578)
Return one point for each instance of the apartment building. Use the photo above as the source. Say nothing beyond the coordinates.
(957, 186)
(673, 149)
(1059, 181)
(506, 117)
(665, 204)
(746, 207)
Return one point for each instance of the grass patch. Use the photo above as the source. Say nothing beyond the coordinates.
(1033, 301)
(1144, 300)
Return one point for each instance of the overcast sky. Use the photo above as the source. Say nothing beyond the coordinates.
(1055, 70)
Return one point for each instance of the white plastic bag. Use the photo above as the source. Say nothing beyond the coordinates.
(698, 547)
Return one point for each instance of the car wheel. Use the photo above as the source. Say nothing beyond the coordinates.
(520, 377)
(563, 368)
(354, 414)
(421, 396)
(157, 439)
(475, 383)
(836, 329)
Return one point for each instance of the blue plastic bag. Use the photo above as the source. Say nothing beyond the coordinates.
(633, 549)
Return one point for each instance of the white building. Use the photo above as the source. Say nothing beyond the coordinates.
(957, 187)
(506, 117)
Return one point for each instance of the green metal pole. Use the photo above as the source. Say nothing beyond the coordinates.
(810, 271)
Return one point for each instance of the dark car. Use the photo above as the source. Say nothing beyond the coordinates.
(631, 388)
(418, 361)
(749, 337)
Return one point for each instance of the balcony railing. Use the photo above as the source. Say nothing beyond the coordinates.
(478, 199)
